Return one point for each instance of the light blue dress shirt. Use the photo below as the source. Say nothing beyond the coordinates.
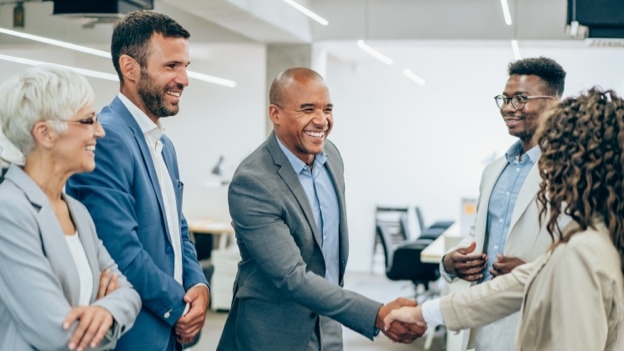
(503, 200)
(321, 193)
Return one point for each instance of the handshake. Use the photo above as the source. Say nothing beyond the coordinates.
(401, 320)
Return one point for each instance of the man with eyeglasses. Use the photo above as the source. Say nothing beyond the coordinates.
(506, 232)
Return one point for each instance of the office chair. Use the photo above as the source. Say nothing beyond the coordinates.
(432, 231)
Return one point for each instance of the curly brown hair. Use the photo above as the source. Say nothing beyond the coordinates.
(582, 164)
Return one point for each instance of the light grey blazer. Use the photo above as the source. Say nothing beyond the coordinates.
(280, 289)
(38, 278)
(526, 239)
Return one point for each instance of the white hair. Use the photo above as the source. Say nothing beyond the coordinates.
(41, 93)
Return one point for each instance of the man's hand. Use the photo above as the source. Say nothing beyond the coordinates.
(406, 315)
(191, 323)
(465, 264)
(504, 265)
(399, 332)
(93, 323)
(109, 282)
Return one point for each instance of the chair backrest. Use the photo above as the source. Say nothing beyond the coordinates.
(406, 264)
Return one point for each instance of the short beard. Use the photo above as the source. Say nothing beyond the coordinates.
(152, 96)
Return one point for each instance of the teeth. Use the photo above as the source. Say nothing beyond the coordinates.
(90, 148)
(176, 94)
(315, 134)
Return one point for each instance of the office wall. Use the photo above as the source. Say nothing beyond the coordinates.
(409, 144)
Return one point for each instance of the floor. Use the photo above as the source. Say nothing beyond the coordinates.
(374, 285)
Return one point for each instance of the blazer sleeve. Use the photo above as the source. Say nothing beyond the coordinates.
(486, 302)
(124, 303)
(110, 194)
(258, 218)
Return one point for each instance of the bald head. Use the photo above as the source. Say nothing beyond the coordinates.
(285, 78)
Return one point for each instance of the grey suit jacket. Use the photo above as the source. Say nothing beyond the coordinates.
(39, 281)
(280, 288)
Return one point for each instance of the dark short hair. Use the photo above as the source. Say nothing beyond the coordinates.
(547, 69)
(132, 34)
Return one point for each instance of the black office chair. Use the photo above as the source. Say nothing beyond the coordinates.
(403, 262)
(432, 231)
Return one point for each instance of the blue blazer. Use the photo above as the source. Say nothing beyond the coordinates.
(124, 198)
(38, 277)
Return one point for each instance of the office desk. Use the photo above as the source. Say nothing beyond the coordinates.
(224, 259)
(222, 230)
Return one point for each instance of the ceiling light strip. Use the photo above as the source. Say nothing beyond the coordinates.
(87, 50)
(307, 12)
(413, 76)
(383, 58)
(506, 12)
(59, 43)
(516, 50)
(86, 72)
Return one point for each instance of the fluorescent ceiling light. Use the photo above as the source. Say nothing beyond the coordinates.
(383, 58)
(516, 49)
(59, 43)
(506, 12)
(86, 72)
(413, 76)
(87, 50)
(307, 12)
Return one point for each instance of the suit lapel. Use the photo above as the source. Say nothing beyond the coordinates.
(290, 178)
(146, 156)
(526, 196)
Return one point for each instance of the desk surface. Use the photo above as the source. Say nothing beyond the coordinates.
(208, 226)
(434, 252)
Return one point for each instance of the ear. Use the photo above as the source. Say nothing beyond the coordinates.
(44, 134)
(274, 114)
(130, 68)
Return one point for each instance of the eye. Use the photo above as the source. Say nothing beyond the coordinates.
(521, 98)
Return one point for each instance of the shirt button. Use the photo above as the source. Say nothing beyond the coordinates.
(500, 221)
(496, 247)
(507, 193)
(167, 314)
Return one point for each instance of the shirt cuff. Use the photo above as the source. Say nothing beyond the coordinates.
(432, 314)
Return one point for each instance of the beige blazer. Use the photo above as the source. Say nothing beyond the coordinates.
(570, 299)
(525, 240)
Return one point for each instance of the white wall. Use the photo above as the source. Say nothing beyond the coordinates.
(409, 144)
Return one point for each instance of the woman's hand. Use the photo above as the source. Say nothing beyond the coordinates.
(109, 282)
(93, 323)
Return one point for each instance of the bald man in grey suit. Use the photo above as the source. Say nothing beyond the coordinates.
(287, 202)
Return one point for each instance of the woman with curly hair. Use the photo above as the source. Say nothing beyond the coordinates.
(572, 297)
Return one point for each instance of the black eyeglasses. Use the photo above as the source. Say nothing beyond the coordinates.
(517, 101)
(87, 121)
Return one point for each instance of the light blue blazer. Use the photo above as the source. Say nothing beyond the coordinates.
(39, 280)
(124, 198)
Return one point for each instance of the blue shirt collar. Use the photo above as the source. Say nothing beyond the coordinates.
(296, 162)
(515, 150)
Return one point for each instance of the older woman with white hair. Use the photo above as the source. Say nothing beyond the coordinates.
(59, 287)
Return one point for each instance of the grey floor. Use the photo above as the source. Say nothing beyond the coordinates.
(374, 285)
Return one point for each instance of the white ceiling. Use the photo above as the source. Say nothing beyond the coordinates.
(274, 21)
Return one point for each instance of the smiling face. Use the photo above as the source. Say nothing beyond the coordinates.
(303, 119)
(76, 146)
(523, 123)
(161, 83)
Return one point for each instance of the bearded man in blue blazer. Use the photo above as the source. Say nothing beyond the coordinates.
(135, 193)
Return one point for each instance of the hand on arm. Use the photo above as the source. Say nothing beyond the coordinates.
(109, 282)
(465, 264)
(504, 265)
(399, 332)
(93, 323)
(191, 323)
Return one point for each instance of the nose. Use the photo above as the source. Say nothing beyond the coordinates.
(183, 78)
(508, 107)
(99, 130)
